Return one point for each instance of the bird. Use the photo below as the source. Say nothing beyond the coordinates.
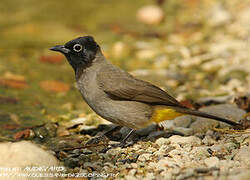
(116, 95)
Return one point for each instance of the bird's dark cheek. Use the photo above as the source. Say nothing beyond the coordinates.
(89, 57)
(76, 61)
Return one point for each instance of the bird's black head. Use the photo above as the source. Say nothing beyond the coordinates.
(80, 52)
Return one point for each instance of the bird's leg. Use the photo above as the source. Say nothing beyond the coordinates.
(121, 144)
(97, 139)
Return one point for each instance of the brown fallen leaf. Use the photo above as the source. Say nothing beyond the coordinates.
(22, 134)
(8, 100)
(52, 59)
(13, 81)
(54, 86)
(11, 126)
(243, 102)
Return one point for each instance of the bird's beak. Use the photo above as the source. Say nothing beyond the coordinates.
(60, 48)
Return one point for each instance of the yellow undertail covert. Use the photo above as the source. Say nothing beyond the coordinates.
(163, 114)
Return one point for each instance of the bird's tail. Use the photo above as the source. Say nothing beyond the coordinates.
(205, 115)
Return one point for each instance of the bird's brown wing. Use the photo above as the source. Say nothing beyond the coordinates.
(121, 85)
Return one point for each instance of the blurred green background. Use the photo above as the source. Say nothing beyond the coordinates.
(37, 86)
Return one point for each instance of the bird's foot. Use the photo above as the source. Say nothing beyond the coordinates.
(103, 136)
(96, 140)
(122, 144)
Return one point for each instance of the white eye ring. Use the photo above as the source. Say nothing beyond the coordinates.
(77, 47)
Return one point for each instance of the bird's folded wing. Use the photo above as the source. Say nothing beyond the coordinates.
(121, 85)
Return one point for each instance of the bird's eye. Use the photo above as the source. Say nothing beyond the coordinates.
(77, 47)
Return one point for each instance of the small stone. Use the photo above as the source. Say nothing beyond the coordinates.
(61, 131)
(183, 121)
(163, 62)
(120, 49)
(212, 162)
(227, 111)
(186, 175)
(191, 140)
(245, 175)
(162, 141)
(146, 131)
(149, 176)
(208, 140)
(166, 175)
(75, 122)
(231, 146)
(243, 155)
(215, 100)
(71, 162)
(151, 15)
(24, 153)
(134, 165)
(226, 164)
(68, 106)
(131, 177)
(164, 163)
(146, 54)
(199, 152)
(145, 157)
(219, 16)
(132, 172)
(157, 134)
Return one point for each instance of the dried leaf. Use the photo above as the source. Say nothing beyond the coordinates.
(22, 134)
(8, 100)
(243, 102)
(53, 59)
(10, 126)
(13, 81)
(54, 86)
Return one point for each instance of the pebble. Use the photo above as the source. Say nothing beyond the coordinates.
(162, 141)
(245, 175)
(183, 121)
(243, 155)
(223, 110)
(23, 154)
(145, 157)
(212, 162)
(219, 149)
(146, 131)
(146, 54)
(231, 146)
(218, 16)
(208, 140)
(120, 49)
(132, 172)
(185, 175)
(165, 163)
(215, 100)
(199, 152)
(157, 134)
(130, 177)
(71, 162)
(151, 15)
(191, 140)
